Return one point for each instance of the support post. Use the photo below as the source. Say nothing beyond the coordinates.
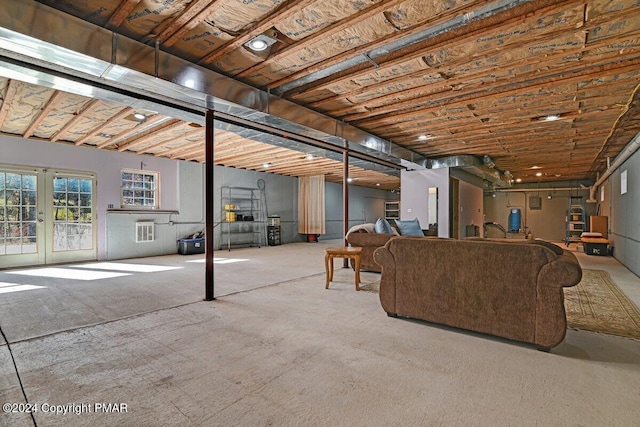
(209, 214)
(345, 198)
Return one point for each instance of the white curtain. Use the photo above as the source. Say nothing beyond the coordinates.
(311, 205)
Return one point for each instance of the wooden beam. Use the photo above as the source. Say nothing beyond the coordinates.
(286, 9)
(473, 29)
(323, 34)
(170, 140)
(44, 112)
(86, 109)
(121, 13)
(123, 113)
(9, 96)
(126, 133)
(151, 134)
(193, 16)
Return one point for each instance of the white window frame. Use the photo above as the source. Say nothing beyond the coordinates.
(128, 186)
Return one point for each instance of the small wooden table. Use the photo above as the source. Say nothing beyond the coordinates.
(347, 252)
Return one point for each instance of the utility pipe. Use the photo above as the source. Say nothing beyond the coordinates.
(631, 148)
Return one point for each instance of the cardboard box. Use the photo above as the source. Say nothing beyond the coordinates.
(599, 224)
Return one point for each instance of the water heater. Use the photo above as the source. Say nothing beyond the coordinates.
(514, 220)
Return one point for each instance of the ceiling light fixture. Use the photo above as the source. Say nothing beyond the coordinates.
(539, 174)
(377, 184)
(266, 165)
(349, 179)
(260, 43)
(424, 137)
(518, 179)
(139, 116)
(309, 156)
(535, 167)
(551, 117)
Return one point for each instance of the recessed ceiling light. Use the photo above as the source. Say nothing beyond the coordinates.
(551, 117)
(377, 184)
(266, 165)
(518, 179)
(260, 43)
(349, 179)
(139, 116)
(539, 174)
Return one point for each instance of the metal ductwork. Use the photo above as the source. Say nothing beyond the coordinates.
(481, 13)
(44, 46)
(475, 166)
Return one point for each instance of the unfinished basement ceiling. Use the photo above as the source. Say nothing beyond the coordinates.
(40, 113)
(469, 77)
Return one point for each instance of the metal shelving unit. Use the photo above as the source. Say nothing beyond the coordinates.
(243, 217)
(576, 219)
(392, 210)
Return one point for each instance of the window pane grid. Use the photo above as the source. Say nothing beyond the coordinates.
(139, 189)
(72, 214)
(17, 213)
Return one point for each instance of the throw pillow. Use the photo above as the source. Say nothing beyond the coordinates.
(409, 228)
(383, 227)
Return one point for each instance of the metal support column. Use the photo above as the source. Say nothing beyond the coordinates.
(345, 198)
(209, 214)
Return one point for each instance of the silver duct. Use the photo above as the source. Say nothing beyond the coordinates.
(41, 42)
(474, 165)
(37, 35)
(457, 22)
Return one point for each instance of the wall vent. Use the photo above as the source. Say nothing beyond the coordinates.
(144, 231)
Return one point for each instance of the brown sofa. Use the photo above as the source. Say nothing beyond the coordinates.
(510, 289)
(369, 242)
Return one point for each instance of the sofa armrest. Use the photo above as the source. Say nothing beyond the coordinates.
(383, 257)
(551, 319)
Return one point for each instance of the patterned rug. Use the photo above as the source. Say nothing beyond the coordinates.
(595, 304)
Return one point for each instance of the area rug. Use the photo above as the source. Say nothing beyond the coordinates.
(595, 304)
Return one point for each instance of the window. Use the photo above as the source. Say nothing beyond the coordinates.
(139, 189)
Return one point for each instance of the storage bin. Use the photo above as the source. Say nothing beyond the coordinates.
(191, 246)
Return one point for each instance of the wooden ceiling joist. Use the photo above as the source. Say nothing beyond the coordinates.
(86, 109)
(51, 103)
(123, 113)
(9, 97)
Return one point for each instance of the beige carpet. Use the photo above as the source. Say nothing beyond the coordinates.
(596, 304)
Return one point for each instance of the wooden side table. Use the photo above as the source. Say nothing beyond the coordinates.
(347, 252)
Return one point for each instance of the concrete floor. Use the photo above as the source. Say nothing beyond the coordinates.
(276, 348)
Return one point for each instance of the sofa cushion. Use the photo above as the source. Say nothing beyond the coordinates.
(409, 228)
(383, 227)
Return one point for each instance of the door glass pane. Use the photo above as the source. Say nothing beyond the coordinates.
(18, 194)
(73, 227)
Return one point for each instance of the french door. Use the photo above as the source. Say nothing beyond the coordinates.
(46, 216)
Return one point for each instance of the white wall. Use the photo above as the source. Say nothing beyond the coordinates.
(471, 210)
(106, 165)
(414, 197)
(366, 205)
(624, 213)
